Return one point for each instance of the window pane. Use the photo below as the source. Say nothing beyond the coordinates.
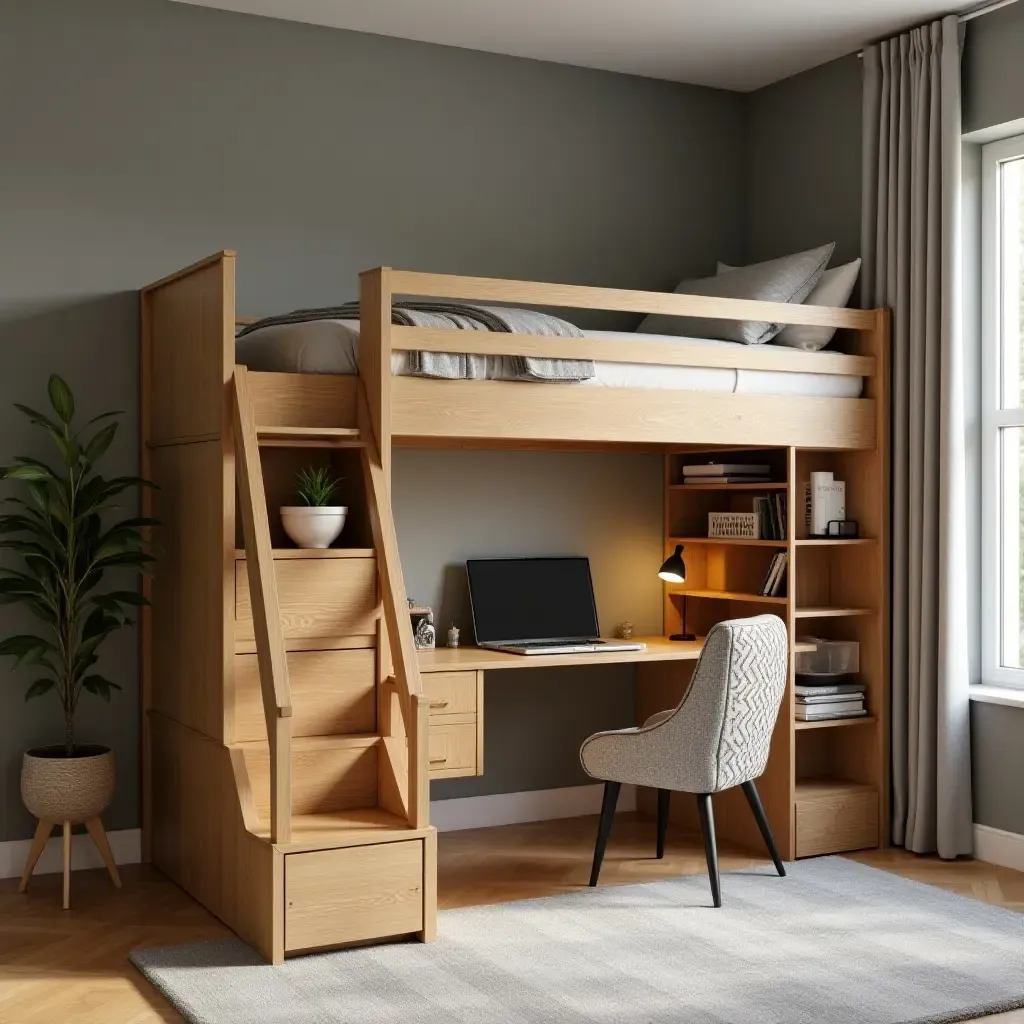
(1012, 546)
(1012, 282)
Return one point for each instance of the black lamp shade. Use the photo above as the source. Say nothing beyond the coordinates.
(673, 569)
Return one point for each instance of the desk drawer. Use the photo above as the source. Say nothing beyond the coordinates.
(452, 693)
(452, 749)
(353, 895)
(320, 598)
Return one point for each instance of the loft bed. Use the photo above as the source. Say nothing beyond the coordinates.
(287, 736)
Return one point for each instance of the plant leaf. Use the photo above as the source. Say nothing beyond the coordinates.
(26, 649)
(100, 442)
(132, 597)
(38, 418)
(99, 686)
(61, 399)
(38, 688)
(28, 472)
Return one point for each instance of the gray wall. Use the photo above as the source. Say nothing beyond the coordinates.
(139, 135)
(804, 165)
(993, 73)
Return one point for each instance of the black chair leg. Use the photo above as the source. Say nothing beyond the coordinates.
(663, 799)
(754, 799)
(707, 826)
(611, 798)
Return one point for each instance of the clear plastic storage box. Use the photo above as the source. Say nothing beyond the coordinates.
(833, 659)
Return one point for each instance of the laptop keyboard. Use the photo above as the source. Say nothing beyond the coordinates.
(555, 643)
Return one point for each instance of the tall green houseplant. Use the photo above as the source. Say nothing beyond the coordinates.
(58, 529)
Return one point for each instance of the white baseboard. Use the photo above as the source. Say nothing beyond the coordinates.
(447, 815)
(999, 847)
(514, 808)
(125, 845)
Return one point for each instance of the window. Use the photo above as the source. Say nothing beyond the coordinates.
(1003, 413)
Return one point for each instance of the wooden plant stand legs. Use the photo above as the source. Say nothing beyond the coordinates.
(99, 837)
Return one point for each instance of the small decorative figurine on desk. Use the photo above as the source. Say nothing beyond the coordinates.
(423, 632)
(624, 630)
(453, 635)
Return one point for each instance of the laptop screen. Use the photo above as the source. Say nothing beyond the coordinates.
(531, 599)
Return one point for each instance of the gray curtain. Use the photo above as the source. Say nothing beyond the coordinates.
(911, 243)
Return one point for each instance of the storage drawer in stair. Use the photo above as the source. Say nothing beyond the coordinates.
(452, 748)
(333, 692)
(319, 598)
(354, 894)
(452, 693)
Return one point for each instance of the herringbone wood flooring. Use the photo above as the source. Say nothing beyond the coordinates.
(71, 967)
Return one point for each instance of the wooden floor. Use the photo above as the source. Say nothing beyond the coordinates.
(71, 967)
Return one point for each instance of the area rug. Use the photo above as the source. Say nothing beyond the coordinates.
(835, 942)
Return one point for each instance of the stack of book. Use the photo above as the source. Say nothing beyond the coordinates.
(727, 473)
(775, 577)
(818, 703)
(771, 516)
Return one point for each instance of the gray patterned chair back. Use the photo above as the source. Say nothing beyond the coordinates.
(720, 733)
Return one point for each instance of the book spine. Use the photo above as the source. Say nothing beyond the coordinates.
(820, 503)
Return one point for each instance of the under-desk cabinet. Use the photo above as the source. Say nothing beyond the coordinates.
(456, 740)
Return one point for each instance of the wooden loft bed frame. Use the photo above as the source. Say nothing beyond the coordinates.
(285, 725)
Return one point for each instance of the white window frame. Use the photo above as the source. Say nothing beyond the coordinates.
(997, 563)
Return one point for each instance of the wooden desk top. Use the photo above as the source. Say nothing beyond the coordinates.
(465, 659)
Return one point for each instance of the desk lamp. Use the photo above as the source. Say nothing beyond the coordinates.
(673, 570)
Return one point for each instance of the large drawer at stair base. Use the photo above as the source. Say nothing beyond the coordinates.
(355, 894)
(320, 598)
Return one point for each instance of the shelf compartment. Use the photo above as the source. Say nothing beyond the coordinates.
(834, 815)
(834, 542)
(309, 437)
(773, 485)
(728, 595)
(835, 723)
(826, 612)
(739, 542)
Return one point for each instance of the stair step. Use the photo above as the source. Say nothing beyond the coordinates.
(309, 437)
(342, 828)
(302, 744)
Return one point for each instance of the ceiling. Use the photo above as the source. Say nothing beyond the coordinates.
(729, 44)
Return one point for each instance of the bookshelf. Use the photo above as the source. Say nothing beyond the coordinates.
(826, 785)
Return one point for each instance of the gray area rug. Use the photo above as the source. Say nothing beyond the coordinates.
(833, 943)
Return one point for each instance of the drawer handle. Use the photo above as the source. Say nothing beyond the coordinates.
(438, 760)
(439, 703)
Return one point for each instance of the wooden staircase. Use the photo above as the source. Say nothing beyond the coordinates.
(335, 781)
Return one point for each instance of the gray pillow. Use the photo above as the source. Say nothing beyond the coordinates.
(789, 279)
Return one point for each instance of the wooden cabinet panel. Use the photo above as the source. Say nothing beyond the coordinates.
(353, 895)
(452, 749)
(333, 692)
(833, 816)
(318, 597)
(451, 693)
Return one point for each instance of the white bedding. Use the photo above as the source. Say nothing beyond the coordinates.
(331, 346)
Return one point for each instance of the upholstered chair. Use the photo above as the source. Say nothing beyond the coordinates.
(718, 736)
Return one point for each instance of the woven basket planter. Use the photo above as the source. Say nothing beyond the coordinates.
(75, 789)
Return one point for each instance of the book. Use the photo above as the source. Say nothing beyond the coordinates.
(730, 479)
(802, 715)
(828, 698)
(768, 576)
(780, 576)
(829, 689)
(727, 469)
(827, 707)
(825, 501)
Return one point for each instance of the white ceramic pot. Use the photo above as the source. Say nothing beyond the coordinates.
(314, 526)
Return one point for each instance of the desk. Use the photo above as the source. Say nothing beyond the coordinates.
(478, 659)
(453, 679)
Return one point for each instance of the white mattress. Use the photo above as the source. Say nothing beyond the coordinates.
(331, 346)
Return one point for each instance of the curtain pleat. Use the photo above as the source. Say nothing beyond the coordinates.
(911, 247)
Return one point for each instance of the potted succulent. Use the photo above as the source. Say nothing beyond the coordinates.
(59, 527)
(315, 522)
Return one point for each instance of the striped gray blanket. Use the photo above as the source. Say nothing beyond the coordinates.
(463, 317)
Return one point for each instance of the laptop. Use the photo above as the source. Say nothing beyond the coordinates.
(536, 606)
